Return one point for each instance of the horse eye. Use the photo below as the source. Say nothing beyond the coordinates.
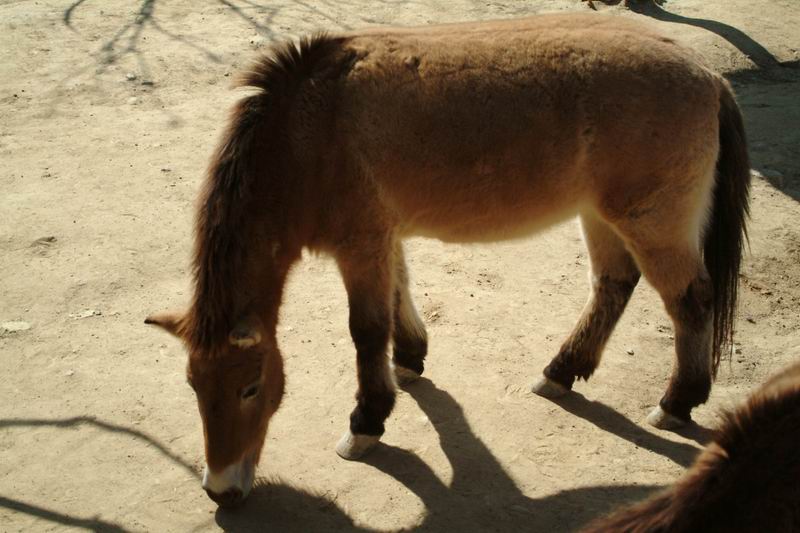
(251, 391)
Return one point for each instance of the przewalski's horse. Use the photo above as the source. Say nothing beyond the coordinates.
(467, 132)
(746, 480)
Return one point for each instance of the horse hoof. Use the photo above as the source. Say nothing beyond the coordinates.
(661, 419)
(352, 447)
(548, 388)
(404, 375)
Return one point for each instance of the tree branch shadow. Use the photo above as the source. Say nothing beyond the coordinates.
(105, 426)
(95, 523)
(127, 38)
(67, 16)
(92, 524)
(262, 28)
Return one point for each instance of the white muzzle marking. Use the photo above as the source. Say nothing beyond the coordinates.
(236, 476)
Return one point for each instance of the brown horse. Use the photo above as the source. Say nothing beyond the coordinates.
(467, 132)
(746, 480)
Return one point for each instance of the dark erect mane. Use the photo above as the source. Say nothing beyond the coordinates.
(226, 206)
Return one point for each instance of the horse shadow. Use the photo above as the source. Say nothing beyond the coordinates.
(608, 419)
(482, 496)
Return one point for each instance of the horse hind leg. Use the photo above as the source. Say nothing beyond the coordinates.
(409, 339)
(681, 279)
(614, 276)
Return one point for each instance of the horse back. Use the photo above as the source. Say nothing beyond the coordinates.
(484, 130)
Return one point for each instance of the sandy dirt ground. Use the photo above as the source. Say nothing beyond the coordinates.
(108, 113)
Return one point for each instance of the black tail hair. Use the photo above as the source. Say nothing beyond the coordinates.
(727, 231)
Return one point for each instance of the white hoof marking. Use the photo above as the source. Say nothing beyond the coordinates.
(663, 420)
(404, 375)
(548, 388)
(352, 447)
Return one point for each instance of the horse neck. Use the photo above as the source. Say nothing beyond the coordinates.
(264, 294)
(248, 281)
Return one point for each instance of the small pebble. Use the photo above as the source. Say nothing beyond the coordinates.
(14, 326)
(130, 76)
(45, 241)
(86, 314)
(629, 351)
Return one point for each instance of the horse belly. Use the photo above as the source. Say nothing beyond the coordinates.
(465, 208)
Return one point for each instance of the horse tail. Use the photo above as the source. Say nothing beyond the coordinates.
(727, 231)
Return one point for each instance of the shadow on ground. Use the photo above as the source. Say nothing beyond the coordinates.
(91, 524)
(607, 419)
(94, 523)
(743, 42)
(767, 94)
(76, 421)
(481, 497)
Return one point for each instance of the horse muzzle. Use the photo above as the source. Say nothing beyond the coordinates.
(230, 486)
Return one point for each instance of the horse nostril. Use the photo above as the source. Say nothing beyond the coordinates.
(228, 499)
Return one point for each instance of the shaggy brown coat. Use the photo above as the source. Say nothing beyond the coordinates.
(746, 480)
(465, 132)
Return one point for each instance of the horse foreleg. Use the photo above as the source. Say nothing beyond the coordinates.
(368, 278)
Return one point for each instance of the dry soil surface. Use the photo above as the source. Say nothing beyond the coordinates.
(108, 113)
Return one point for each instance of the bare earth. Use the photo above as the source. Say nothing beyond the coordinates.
(108, 113)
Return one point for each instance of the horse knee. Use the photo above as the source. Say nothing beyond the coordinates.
(369, 336)
(693, 308)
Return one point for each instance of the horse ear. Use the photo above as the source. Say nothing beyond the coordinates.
(246, 333)
(171, 321)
